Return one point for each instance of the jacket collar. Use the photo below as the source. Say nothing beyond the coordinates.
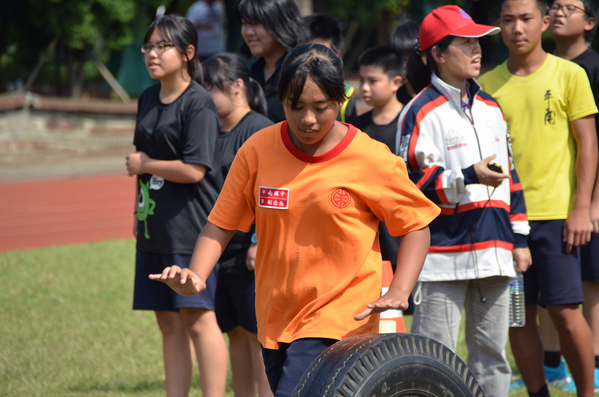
(453, 94)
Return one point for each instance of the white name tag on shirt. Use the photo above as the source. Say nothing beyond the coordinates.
(271, 197)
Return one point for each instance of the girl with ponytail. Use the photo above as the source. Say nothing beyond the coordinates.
(454, 140)
(177, 163)
(228, 73)
(242, 108)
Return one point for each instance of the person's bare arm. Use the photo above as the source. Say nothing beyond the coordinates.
(135, 208)
(209, 247)
(250, 257)
(410, 259)
(177, 171)
(578, 226)
(595, 203)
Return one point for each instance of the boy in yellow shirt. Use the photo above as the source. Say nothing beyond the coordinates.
(549, 109)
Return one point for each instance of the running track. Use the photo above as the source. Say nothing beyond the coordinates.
(65, 211)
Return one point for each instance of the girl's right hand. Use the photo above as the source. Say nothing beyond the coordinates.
(135, 163)
(182, 281)
(486, 176)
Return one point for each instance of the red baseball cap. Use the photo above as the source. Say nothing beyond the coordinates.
(450, 21)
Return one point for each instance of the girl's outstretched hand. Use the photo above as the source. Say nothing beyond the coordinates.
(182, 281)
(385, 302)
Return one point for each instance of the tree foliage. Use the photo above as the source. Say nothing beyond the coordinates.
(105, 27)
(103, 24)
(365, 12)
(84, 27)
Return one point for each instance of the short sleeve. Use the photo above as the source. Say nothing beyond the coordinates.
(581, 102)
(201, 137)
(235, 207)
(401, 205)
(136, 142)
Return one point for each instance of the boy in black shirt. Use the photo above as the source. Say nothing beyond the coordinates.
(573, 24)
(381, 70)
(380, 78)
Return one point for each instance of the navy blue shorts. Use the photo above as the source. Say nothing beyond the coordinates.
(554, 277)
(155, 295)
(589, 260)
(285, 366)
(236, 305)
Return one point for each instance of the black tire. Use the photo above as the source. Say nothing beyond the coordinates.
(388, 365)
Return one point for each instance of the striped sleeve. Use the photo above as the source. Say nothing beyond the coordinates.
(518, 217)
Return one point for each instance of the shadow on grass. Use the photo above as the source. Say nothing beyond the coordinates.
(157, 385)
(141, 387)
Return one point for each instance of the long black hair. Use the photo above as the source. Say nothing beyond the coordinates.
(280, 18)
(224, 68)
(181, 32)
(319, 63)
(403, 38)
(420, 73)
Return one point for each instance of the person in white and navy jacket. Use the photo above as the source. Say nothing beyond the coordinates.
(454, 140)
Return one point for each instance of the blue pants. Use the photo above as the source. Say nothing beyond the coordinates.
(285, 366)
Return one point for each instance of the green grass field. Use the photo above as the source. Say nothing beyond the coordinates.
(67, 328)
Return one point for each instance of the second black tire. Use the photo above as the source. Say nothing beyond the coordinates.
(388, 365)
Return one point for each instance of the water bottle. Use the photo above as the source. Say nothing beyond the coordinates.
(517, 317)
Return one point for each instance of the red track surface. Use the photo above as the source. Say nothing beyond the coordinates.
(65, 211)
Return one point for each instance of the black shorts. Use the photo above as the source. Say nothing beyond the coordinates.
(155, 295)
(589, 260)
(554, 277)
(236, 305)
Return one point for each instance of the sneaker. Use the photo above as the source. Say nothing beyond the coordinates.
(517, 384)
(571, 386)
(558, 376)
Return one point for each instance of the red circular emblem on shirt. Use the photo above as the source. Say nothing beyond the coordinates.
(340, 198)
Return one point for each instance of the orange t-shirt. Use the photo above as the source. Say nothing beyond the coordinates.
(318, 262)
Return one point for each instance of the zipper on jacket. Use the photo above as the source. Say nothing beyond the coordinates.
(480, 153)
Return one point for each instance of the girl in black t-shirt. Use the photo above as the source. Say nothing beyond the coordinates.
(242, 108)
(177, 163)
(270, 29)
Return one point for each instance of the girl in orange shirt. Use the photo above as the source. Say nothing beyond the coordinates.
(316, 189)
